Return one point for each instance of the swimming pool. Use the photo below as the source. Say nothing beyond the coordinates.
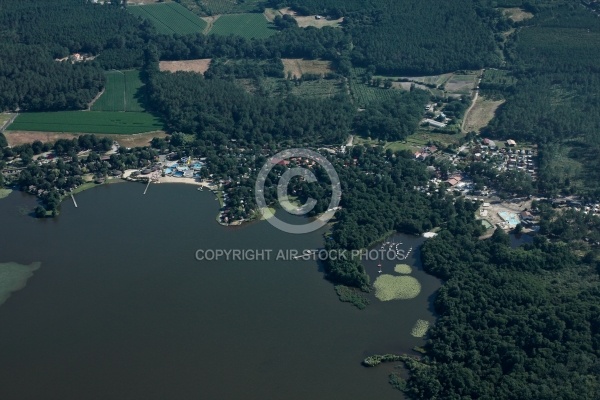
(510, 218)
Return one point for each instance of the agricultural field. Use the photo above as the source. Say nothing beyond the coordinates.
(364, 94)
(87, 122)
(216, 7)
(296, 67)
(121, 92)
(170, 18)
(245, 25)
(460, 84)
(199, 66)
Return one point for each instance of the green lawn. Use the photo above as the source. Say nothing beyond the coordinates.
(245, 25)
(170, 18)
(121, 92)
(87, 122)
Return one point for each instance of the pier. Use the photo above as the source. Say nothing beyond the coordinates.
(74, 202)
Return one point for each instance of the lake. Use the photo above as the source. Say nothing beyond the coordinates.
(121, 308)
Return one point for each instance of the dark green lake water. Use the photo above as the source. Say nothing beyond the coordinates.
(121, 309)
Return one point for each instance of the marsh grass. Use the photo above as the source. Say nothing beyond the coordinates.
(420, 328)
(389, 287)
(403, 269)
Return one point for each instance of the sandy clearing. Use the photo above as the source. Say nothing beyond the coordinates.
(200, 65)
(271, 13)
(517, 14)
(304, 22)
(298, 67)
(481, 114)
(15, 138)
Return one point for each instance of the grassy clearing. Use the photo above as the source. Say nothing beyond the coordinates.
(389, 287)
(170, 18)
(245, 25)
(199, 66)
(481, 114)
(121, 93)
(87, 122)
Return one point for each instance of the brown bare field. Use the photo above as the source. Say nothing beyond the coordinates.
(517, 14)
(200, 65)
(461, 84)
(304, 22)
(298, 67)
(481, 114)
(15, 138)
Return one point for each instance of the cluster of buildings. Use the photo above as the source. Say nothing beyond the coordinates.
(186, 167)
(440, 119)
(425, 152)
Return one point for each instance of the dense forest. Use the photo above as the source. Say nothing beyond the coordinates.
(513, 323)
(33, 34)
(414, 37)
(213, 108)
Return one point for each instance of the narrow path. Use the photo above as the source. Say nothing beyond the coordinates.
(95, 99)
(8, 122)
(464, 121)
(210, 21)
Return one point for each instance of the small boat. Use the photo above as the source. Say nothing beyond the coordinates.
(379, 265)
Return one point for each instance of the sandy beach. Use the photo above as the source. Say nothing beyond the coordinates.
(169, 179)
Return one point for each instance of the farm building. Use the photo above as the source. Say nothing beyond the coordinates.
(435, 123)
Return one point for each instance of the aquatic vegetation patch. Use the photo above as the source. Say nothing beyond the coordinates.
(351, 295)
(403, 269)
(420, 328)
(4, 192)
(389, 287)
(13, 277)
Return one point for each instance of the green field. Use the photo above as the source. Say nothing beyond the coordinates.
(169, 18)
(230, 7)
(363, 94)
(87, 122)
(245, 25)
(120, 92)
